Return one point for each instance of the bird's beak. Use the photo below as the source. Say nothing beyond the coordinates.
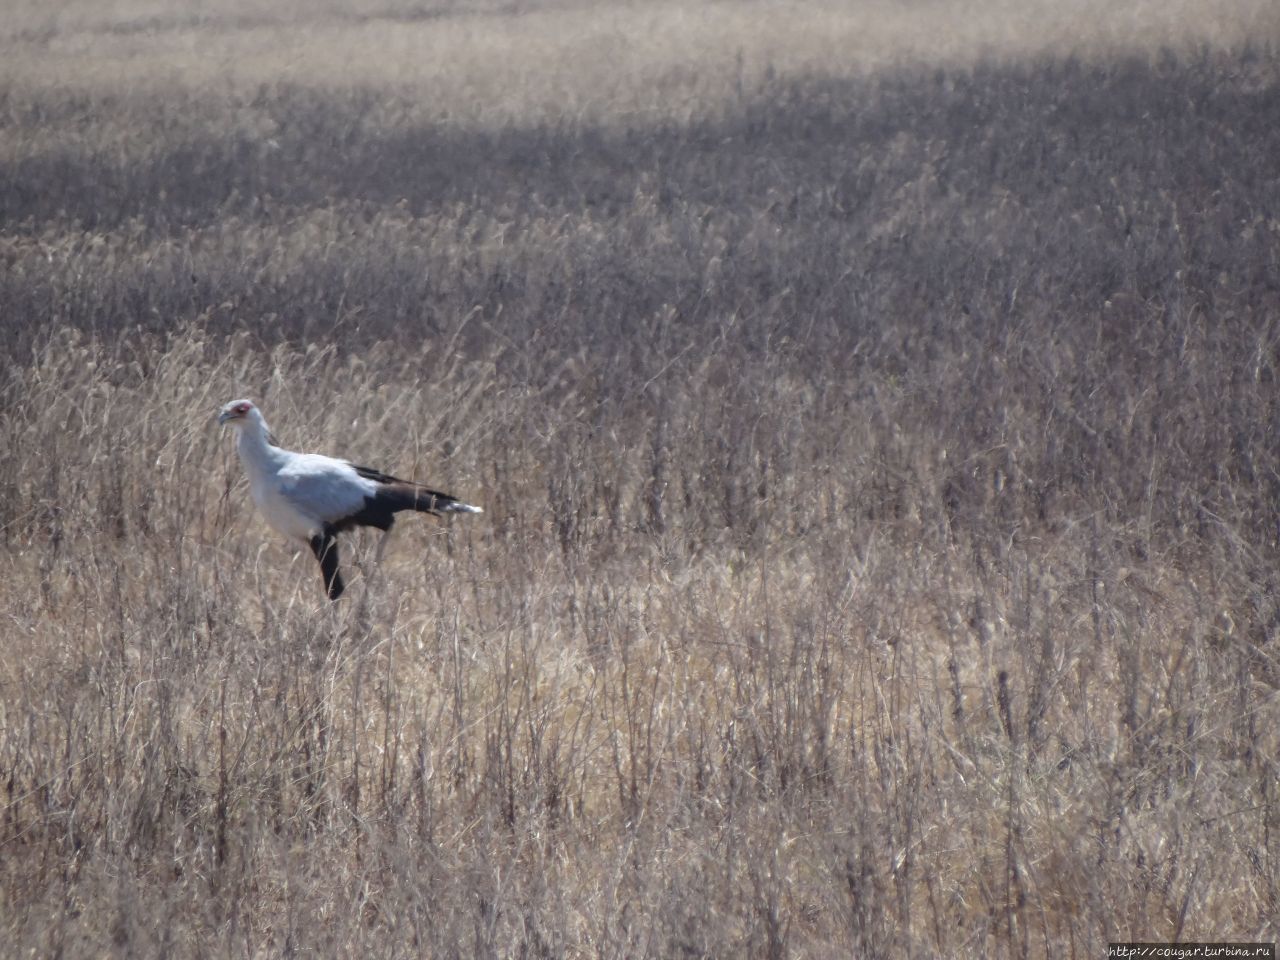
(224, 416)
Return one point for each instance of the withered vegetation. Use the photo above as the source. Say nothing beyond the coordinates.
(875, 410)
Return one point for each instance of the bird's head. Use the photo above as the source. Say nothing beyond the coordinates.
(238, 413)
(247, 419)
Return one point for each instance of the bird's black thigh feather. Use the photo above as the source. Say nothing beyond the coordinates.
(376, 512)
(325, 546)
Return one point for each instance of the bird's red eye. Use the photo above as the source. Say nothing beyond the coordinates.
(243, 408)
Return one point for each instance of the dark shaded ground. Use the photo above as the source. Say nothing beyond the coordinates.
(880, 543)
(1095, 243)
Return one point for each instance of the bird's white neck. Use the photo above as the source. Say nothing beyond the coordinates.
(256, 452)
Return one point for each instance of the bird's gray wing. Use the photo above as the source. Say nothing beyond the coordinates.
(323, 488)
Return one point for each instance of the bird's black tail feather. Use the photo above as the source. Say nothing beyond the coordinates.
(402, 495)
(395, 495)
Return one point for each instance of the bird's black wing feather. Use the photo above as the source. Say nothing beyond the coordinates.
(377, 476)
(406, 494)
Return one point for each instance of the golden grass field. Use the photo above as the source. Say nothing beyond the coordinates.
(874, 407)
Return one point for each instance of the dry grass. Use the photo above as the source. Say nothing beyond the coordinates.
(878, 453)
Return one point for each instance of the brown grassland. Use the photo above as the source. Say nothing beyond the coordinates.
(876, 409)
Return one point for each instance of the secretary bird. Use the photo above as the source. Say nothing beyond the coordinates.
(311, 498)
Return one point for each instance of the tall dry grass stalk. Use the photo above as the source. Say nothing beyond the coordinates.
(880, 483)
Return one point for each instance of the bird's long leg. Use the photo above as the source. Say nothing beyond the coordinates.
(325, 546)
